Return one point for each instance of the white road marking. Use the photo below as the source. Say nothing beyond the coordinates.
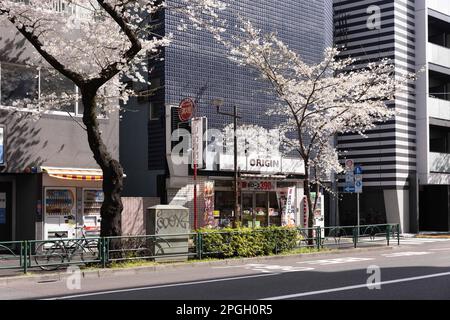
(359, 286)
(266, 268)
(227, 267)
(275, 268)
(405, 254)
(161, 286)
(325, 262)
(418, 241)
(441, 249)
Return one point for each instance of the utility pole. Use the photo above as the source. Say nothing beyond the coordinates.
(218, 104)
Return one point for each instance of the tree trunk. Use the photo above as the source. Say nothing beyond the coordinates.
(112, 206)
(310, 207)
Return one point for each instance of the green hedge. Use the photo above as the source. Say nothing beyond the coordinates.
(247, 242)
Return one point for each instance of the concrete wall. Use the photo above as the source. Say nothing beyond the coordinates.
(397, 208)
(184, 196)
(134, 214)
(53, 140)
(422, 122)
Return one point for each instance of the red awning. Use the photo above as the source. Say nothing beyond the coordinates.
(74, 174)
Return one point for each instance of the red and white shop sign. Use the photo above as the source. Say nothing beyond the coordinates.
(258, 185)
(186, 109)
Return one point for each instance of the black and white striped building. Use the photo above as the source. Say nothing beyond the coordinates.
(406, 160)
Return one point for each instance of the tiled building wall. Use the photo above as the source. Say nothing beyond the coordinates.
(196, 65)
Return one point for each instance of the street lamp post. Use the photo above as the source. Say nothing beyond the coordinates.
(218, 103)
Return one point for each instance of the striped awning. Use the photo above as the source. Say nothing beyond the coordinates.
(74, 173)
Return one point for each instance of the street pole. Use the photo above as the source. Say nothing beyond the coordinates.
(357, 210)
(236, 183)
(195, 195)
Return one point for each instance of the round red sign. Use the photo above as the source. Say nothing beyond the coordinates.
(186, 109)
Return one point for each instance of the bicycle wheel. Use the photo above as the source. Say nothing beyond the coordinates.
(91, 251)
(75, 253)
(49, 256)
(159, 250)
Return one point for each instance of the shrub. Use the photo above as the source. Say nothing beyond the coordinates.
(247, 242)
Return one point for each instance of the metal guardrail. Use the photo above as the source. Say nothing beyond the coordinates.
(12, 254)
(162, 247)
(58, 253)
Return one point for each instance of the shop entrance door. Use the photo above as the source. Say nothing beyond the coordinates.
(254, 209)
(5, 211)
(247, 209)
(261, 209)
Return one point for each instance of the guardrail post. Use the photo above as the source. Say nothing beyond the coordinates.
(388, 233)
(199, 245)
(24, 252)
(318, 237)
(103, 252)
(355, 237)
(21, 254)
(398, 234)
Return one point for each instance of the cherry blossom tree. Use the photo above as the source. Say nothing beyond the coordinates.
(95, 44)
(317, 102)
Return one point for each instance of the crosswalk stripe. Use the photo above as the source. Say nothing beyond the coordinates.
(325, 262)
(405, 254)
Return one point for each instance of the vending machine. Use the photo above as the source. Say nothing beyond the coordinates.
(92, 203)
(60, 213)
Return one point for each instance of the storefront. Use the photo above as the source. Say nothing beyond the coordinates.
(270, 186)
(71, 198)
(263, 202)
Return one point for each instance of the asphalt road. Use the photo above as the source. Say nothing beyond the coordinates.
(418, 269)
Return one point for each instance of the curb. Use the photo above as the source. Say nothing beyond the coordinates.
(103, 273)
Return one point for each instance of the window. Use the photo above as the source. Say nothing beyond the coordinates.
(17, 82)
(155, 111)
(56, 84)
(439, 139)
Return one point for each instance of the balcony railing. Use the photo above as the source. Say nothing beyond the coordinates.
(440, 162)
(439, 55)
(439, 108)
(438, 5)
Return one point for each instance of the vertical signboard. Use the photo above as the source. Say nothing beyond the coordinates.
(349, 176)
(2, 145)
(208, 194)
(197, 142)
(288, 218)
(358, 179)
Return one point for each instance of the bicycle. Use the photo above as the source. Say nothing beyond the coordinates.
(58, 253)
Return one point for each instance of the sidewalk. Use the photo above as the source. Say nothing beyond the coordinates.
(437, 235)
(39, 276)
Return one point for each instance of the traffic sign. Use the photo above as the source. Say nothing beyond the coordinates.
(353, 177)
(349, 165)
(358, 186)
(349, 177)
(349, 189)
(186, 109)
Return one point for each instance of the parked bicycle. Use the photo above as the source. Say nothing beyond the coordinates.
(52, 255)
(138, 247)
